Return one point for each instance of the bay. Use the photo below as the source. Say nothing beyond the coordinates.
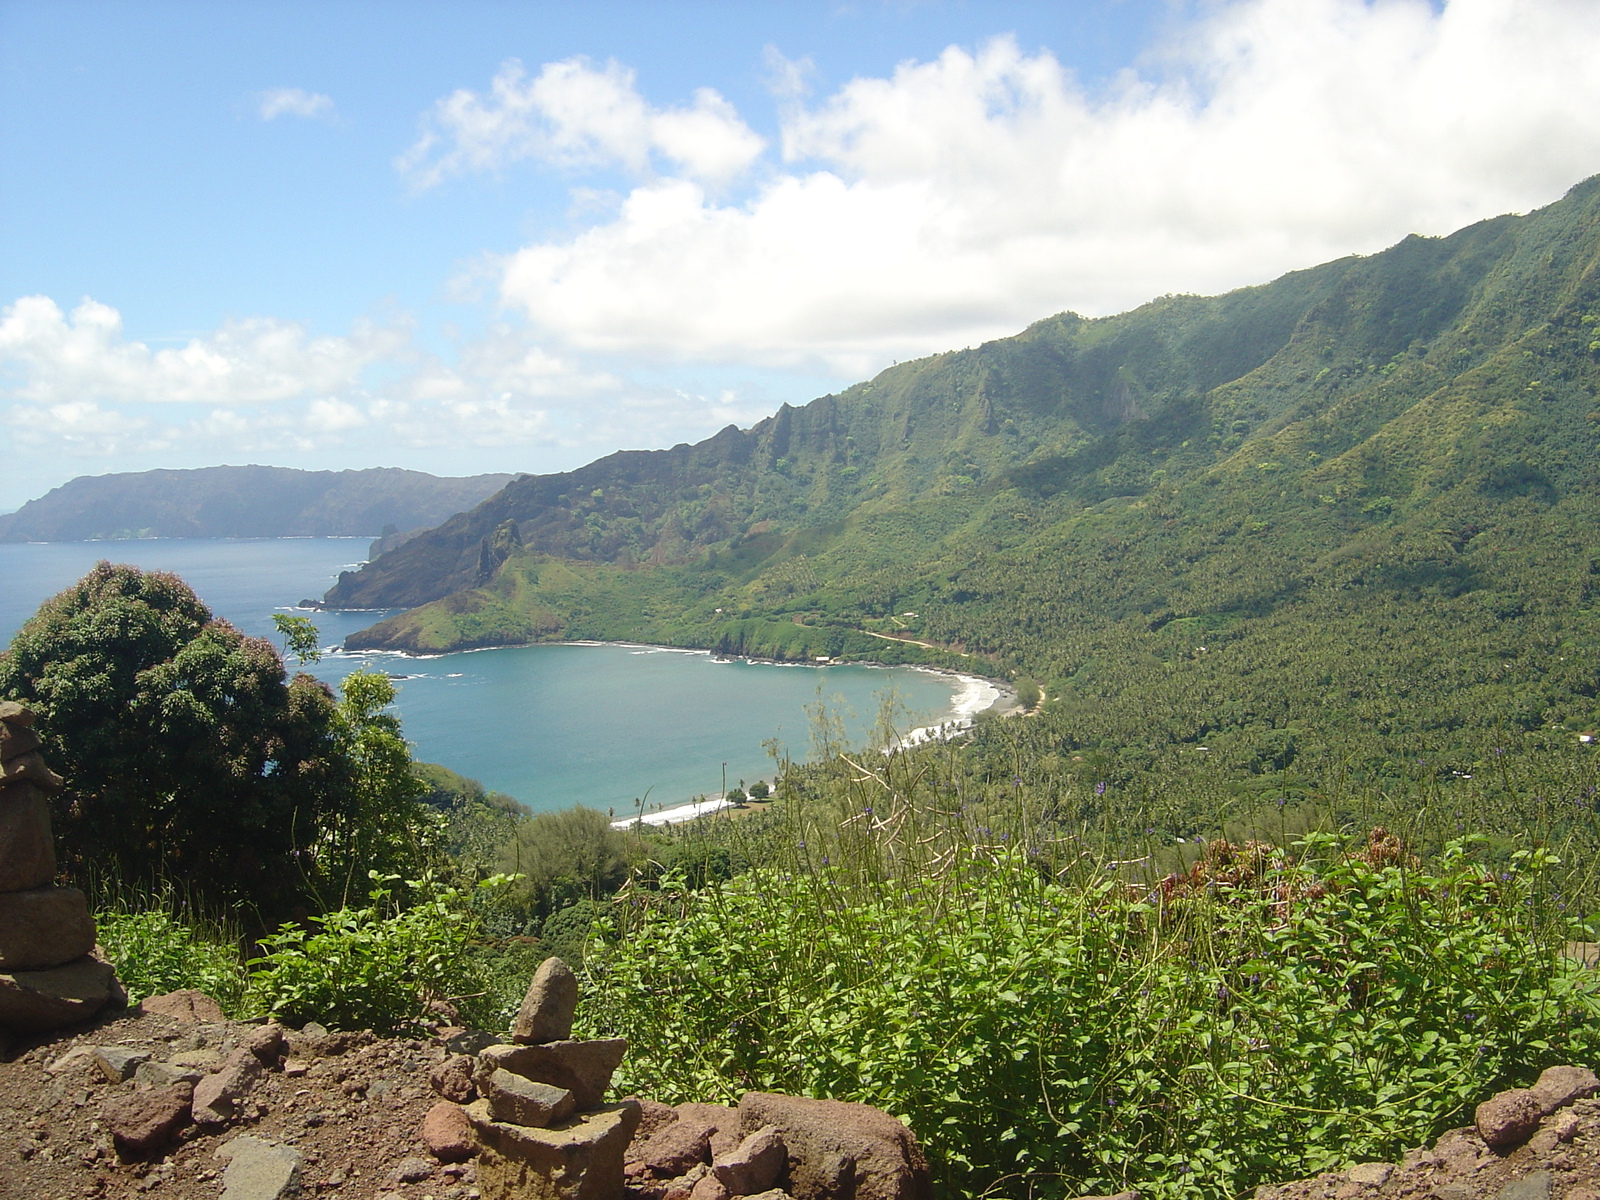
(606, 726)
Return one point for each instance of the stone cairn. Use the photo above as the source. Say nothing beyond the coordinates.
(533, 1113)
(50, 975)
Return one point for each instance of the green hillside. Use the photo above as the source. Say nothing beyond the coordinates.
(1350, 511)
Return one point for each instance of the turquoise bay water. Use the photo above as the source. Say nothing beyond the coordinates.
(552, 725)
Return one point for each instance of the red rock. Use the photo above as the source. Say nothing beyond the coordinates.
(755, 1165)
(186, 1005)
(447, 1133)
(673, 1149)
(14, 713)
(584, 1068)
(27, 849)
(525, 1102)
(724, 1122)
(144, 1121)
(1509, 1118)
(710, 1187)
(827, 1138)
(653, 1117)
(30, 768)
(547, 1009)
(44, 927)
(16, 740)
(218, 1096)
(265, 1042)
(1560, 1086)
(34, 1001)
(452, 1079)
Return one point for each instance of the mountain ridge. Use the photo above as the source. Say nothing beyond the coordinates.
(246, 501)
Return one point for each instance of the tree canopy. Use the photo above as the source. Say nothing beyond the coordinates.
(192, 759)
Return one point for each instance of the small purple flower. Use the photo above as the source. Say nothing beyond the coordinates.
(1100, 788)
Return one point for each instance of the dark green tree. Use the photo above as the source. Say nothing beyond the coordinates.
(192, 760)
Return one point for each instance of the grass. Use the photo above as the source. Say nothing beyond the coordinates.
(1052, 1022)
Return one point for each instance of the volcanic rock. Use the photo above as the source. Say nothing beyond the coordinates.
(547, 1009)
(44, 927)
(580, 1159)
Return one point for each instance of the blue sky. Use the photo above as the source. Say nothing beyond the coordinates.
(510, 236)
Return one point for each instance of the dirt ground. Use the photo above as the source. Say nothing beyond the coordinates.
(353, 1114)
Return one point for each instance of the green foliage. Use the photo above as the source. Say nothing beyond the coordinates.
(560, 858)
(299, 638)
(374, 967)
(188, 754)
(1055, 1035)
(156, 952)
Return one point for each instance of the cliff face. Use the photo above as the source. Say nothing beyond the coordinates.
(1446, 383)
(243, 502)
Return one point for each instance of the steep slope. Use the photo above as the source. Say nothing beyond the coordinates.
(1347, 517)
(243, 502)
(1311, 413)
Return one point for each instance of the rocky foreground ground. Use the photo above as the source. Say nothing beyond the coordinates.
(343, 1115)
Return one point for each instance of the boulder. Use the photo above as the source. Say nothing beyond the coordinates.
(217, 1097)
(547, 1010)
(266, 1042)
(186, 1005)
(723, 1121)
(147, 1120)
(583, 1068)
(118, 1063)
(165, 1074)
(35, 1001)
(754, 1165)
(410, 1170)
(673, 1149)
(30, 768)
(580, 1159)
(654, 1116)
(452, 1079)
(709, 1187)
(525, 1102)
(13, 713)
(27, 850)
(259, 1169)
(1560, 1086)
(44, 927)
(447, 1133)
(829, 1142)
(1508, 1119)
(16, 740)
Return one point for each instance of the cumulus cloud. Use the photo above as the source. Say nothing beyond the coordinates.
(74, 386)
(575, 115)
(51, 357)
(293, 102)
(960, 198)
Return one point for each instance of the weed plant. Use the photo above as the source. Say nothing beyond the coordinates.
(1053, 1021)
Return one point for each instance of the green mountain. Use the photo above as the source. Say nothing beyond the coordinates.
(1360, 497)
(243, 502)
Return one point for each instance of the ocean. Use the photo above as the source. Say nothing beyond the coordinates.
(613, 727)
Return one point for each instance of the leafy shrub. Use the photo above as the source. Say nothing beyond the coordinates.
(1049, 1040)
(375, 967)
(155, 952)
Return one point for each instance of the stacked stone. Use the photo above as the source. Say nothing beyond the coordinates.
(541, 1123)
(49, 977)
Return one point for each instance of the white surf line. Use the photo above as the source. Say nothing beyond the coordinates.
(674, 816)
(976, 695)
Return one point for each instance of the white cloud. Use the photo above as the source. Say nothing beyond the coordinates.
(573, 114)
(959, 199)
(293, 102)
(56, 358)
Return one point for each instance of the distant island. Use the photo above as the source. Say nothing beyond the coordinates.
(250, 501)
